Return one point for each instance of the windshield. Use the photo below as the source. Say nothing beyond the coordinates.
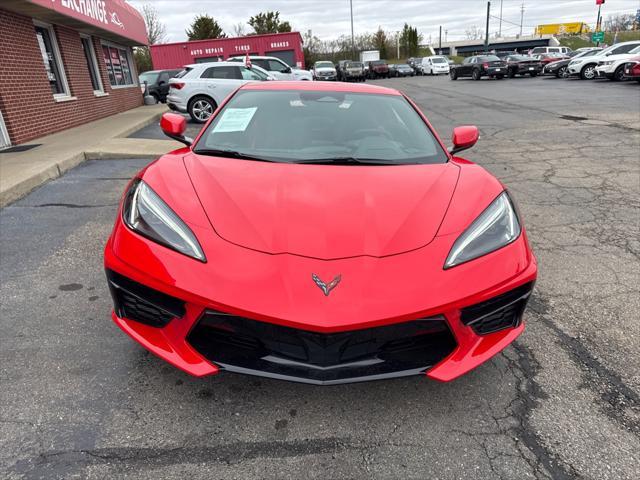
(519, 58)
(403, 65)
(354, 65)
(635, 50)
(378, 62)
(438, 60)
(149, 77)
(292, 126)
(588, 53)
(323, 65)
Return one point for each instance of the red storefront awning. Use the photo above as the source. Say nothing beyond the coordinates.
(112, 19)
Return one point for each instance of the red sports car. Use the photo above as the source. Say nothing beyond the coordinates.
(319, 233)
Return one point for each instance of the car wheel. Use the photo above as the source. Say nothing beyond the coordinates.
(512, 73)
(588, 72)
(533, 74)
(201, 108)
(453, 75)
(476, 75)
(563, 72)
(499, 77)
(618, 75)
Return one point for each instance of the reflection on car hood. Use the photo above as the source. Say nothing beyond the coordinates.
(326, 69)
(323, 211)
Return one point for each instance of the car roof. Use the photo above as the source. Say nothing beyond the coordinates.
(212, 64)
(321, 87)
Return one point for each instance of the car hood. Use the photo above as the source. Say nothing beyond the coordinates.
(326, 69)
(323, 211)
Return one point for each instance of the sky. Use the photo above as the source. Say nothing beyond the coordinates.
(328, 19)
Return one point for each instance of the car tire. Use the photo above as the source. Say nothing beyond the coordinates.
(512, 73)
(563, 72)
(476, 75)
(201, 108)
(618, 75)
(453, 75)
(588, 72)
(499, 77)
(533, 74)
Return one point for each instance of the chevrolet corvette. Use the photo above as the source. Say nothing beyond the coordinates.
(319, 233)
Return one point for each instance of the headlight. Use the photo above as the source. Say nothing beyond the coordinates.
(574, 62)
(605, 63)
(146, 213)
(496, 227)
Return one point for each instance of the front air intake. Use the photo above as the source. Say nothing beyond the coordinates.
(497, 313)
(138, 302)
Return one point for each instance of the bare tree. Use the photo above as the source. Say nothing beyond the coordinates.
(156, 30)
(239, 30)
(474, 33)
(619, 23)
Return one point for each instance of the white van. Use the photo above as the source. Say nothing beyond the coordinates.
(434, 65)
(563, 50)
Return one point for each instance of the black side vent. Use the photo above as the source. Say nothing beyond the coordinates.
(138, 302)
(498, 313)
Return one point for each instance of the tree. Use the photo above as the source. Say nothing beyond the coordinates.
(619, 23)
(204, 27)
(268, 22)
(238, 30)
(156, 33)
(380, 42)
(410, 40)
(474, 33)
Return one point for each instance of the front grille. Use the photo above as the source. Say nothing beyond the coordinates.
(138, 302)
(497, 313)
(260, 348)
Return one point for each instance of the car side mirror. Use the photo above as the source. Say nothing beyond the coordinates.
(174, 126)
(161, 82)
(286, 70)
(464, 137)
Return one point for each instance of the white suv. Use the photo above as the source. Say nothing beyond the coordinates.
(201, 87)
(612, 67)
(434, 65)
(585, 67)
(276, 67)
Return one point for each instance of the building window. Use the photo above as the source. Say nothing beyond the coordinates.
(92, 64)
(118, 65)
(51, 59)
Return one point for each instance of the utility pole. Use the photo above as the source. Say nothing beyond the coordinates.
(398, 44)
(521, 18)
(486, 32)
(446, 32)
(500, 28)
(440, 42)
(353, 40)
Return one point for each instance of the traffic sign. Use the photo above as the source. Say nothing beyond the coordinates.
(597, 36)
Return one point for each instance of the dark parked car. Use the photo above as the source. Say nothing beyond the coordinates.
(560, 68)
(414, 63)
(401, 70)
(479, 66)
(158, 83)
(378, 69)
(546, 58)
(522, 65)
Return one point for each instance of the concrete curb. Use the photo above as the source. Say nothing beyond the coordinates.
(58, 168)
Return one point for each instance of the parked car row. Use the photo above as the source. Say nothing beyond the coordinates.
(617, 62)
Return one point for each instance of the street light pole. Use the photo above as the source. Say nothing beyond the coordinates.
(500, 28)
(440, 42)
(353, 41)
(486, 33)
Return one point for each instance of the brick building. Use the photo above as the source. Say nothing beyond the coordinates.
(64, 63)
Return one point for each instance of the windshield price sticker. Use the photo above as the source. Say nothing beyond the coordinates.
(235, 120)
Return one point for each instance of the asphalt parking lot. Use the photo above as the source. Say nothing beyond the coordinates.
(81, 400)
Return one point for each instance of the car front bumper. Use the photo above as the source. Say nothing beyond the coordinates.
(208, 317)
